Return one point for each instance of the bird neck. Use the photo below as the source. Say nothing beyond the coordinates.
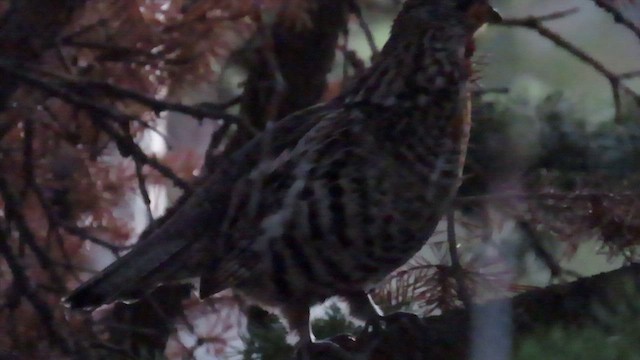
(414, 98)
(417, 68)
(421, 74)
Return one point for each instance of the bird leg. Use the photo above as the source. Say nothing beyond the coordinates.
(376, 327)
(297, 317)
(363, 308)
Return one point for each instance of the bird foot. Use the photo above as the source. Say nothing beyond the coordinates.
(403, 330)
(322, 350)
(402, 320)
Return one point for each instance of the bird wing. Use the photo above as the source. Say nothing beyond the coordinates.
(258, 195)
(266, 206)
(171, 248)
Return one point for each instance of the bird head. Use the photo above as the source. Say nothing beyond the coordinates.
(467, 14)
(455, 20)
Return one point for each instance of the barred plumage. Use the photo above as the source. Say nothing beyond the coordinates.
(331, 199)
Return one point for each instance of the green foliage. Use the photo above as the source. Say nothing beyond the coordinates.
(268, 341)
(614, 336)
(512, 134)
(591, 343)
(333, 323)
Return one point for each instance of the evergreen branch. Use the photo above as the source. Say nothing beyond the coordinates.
(126, 145)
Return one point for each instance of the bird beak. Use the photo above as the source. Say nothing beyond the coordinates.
(481, 13)
(493, 16)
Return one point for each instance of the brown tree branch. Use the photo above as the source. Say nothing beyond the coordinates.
(615, 80)
(618, 16)
(449, 336)
(355, 9)
(13, 213)
(126, 145)
(81, 87)
(24, 287)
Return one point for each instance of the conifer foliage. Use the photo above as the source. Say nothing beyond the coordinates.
(84, 83)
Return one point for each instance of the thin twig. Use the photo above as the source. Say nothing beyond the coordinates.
(142, 186)
(198, 111)
(538, 248)
(84, 234)
(629, 75)
(355, 9)
(615, 80)
(22, 284)
(56, 223)
(456, 267)
(618, 16)
(13, 214)
(31, 183)
(124, 142)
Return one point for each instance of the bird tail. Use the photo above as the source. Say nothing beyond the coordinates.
(174, 246)
(129, 277)
(165, 254)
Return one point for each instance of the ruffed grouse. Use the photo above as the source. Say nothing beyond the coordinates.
(329, 200)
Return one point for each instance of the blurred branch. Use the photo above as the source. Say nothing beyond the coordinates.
(22, 284)
(630, 75)
(81, 87)
(544, 195)
(126, 145)
(144, 192)
(449, 336)
(456, 267)
(302, 58)
(55, 222)
(198, 111)
(539, 249)
(355, 9)
(616, 81)
(145, 326)
(27, 237)
(27, 29)
(618, 16)
(85, 235)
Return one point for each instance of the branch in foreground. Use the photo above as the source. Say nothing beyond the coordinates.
(198, 111)
(24, 287)
(126, 145)
(449, 336)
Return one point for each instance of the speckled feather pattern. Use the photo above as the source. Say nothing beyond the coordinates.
(362, 191)
(330, 200)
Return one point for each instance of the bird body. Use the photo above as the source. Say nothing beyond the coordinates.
(331, 199)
